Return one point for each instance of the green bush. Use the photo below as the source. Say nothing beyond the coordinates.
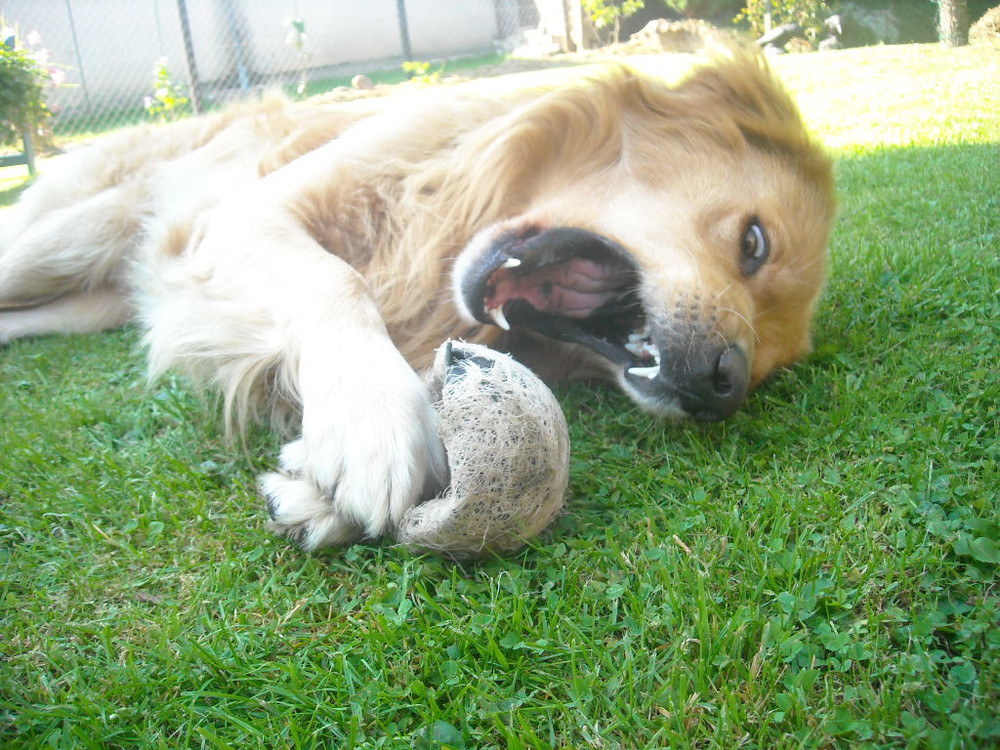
(607, 15)
(703, 8)
(22, 95)
(808, 14)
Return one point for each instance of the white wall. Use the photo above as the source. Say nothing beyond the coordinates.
(117, 42)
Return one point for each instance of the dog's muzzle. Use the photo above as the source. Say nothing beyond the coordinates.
(708, 382)
(579, 287)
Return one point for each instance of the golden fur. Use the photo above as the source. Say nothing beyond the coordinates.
(309, 260)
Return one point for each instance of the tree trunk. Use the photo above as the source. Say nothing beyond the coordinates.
(574, 15)
(953, 22)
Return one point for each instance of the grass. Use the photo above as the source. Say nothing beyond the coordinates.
(432, 70)
(818, 572)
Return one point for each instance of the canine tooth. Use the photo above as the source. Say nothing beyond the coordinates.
(510, 263)
(644, 372)
(635, 347)
(498, 317)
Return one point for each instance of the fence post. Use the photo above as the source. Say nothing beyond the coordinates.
(237, 35)
(404, 29)
(26, 157)
(189, 53)
(29, 151)
(79, 59)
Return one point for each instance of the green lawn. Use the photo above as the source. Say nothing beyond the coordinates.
(818, 572)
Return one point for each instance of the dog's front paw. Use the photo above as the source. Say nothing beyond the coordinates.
(365, 458)
(300, 511)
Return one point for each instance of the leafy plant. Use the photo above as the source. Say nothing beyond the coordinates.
(22, 92)
(168, 100)
(296, 38)
(809, 14)
(608, 14)
(420, 70)
(699, 8)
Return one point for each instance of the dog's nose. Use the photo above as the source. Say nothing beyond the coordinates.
(713, 383)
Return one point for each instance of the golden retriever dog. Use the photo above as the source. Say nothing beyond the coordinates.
(307, 261)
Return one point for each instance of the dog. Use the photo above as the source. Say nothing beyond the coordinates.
(307, 261)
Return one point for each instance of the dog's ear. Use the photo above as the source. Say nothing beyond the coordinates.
(498, 166)
(738, 90)
(741, 81)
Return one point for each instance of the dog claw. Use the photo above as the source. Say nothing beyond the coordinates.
(498, 317)
(644, 372)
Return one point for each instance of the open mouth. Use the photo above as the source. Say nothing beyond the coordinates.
(568, 284)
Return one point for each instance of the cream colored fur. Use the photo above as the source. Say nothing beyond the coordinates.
(299, 259)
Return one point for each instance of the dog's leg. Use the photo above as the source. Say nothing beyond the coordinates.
(79, 247)
(264, 307)
(84, 312)
(64, 272)
(256, 304)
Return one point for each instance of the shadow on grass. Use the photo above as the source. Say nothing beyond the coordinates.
(11, 189)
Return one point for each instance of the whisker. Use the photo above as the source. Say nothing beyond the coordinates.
(744, 318)
(722, 292)
(688, 250)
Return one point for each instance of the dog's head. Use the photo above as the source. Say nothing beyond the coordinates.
(678, 234)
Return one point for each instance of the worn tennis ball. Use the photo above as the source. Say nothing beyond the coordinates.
(508, 457)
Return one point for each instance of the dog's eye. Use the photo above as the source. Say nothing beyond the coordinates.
(754, 250)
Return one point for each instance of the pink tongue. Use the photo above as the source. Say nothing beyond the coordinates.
(573, 288)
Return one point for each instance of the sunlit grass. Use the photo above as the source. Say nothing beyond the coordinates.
(880, 97)
(818, 572)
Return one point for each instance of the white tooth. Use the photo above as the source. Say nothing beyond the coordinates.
(644, 372)
(652, 351)
(498, 317)
(510, 263)
(635, 347)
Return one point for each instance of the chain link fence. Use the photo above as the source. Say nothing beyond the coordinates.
(117, 62)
